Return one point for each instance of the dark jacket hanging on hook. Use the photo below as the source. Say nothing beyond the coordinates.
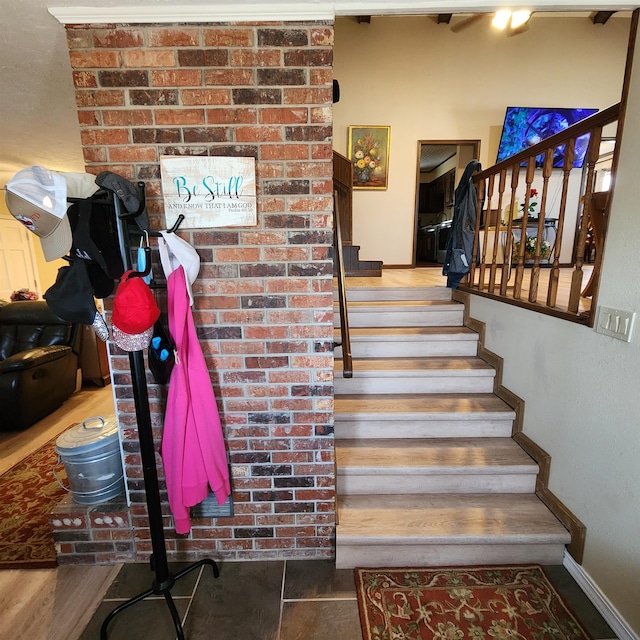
(457, 261)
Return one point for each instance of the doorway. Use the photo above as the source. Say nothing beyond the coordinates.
(441, 164)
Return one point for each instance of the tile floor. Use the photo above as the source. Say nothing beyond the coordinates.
(276, 600)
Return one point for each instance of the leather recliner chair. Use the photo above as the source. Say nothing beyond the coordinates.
(38, 363)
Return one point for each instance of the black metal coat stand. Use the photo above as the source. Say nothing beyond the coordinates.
(164, 580)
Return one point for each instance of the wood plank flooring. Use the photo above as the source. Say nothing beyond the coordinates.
(52, 604)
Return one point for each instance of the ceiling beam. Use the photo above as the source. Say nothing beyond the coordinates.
(601, 17)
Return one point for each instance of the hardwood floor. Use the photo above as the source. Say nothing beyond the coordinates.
(52, 604)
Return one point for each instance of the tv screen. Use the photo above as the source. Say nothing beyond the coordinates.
(525, 126)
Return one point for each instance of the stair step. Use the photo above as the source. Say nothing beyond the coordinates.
(446, 529)
(416, 375)
(386, 342)
(422, 416)
(442, 465)
(403, 313)
(359, 294)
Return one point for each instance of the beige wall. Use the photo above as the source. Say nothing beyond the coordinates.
(428, 83)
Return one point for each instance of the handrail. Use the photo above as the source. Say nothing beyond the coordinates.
(347, 362)
(528, 268)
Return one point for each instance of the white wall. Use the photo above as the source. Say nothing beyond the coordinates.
(428, 83)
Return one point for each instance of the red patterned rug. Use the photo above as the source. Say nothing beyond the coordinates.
(28, 494)
(460, 603)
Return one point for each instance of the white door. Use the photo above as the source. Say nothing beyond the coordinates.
(17, 260)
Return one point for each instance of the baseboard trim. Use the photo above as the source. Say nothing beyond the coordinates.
(611, 615)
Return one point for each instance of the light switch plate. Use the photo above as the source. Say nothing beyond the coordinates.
(616, 323)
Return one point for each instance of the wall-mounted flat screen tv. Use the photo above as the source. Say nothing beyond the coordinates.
(525, 126)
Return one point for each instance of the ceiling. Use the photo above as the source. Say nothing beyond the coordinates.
(38, 122)
(433, 155)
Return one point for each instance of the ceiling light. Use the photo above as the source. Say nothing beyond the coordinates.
(501, 19)
(519, 18)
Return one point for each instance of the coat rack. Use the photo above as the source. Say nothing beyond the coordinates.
(164, 580)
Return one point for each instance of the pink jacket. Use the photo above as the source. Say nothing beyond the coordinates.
(193, 450)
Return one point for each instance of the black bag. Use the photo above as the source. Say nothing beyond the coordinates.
(95, 241)
(161, 354)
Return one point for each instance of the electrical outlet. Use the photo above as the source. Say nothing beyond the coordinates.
(615, 323)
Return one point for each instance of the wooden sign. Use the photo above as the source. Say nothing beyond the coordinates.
(209, 191)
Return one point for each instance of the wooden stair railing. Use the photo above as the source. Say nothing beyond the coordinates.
(347, 362)
(512, 260)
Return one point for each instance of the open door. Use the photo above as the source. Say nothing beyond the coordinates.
(440, 166)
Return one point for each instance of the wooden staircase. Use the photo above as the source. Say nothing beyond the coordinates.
(427, 471)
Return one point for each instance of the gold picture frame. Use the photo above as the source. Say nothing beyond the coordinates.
(368, 150)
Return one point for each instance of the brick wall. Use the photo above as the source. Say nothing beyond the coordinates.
(263, 301)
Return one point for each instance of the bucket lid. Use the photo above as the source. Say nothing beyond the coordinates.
(92, 434)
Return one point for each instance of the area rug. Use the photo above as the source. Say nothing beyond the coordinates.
(459, 603)
(28, 494)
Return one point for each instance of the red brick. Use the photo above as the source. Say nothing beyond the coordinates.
(179, 116)
(117, 38)
(231, 116)
(228, 77)
(176, 78)
(256, 58)
(85, 79)
(237, 255)
(127, 117)
(174, 37)
(79, 38)
(133, 154)
(94, 59)
(242, 347)
(322, 115)
(321, 151)
(288, 376)
(222, 37)
(258, 134)
(192, 97)
(310, 170)
(294, 95)
(321, 37)
(253, 333)
(270, 205)
(89, 118)
(105, 136)
(100, 98)
(284, 152)
(149, 58)
(284, 115)
(284, 254)
(311, 203)
(321, 76)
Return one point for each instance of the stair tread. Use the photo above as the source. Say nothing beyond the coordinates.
(400, 305)
(435, 366)
(406, 406)
(446, 518)
(411, 333)
(436, 455)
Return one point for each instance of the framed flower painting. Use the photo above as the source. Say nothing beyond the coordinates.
(368, 150)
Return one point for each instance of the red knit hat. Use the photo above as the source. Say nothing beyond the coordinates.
(134, 313)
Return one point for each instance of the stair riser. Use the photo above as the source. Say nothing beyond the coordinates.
(349, 556)
(409, 482)
(448, 384)
(423, 349)
(378, 294)
(422, 428)
(383, 318)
